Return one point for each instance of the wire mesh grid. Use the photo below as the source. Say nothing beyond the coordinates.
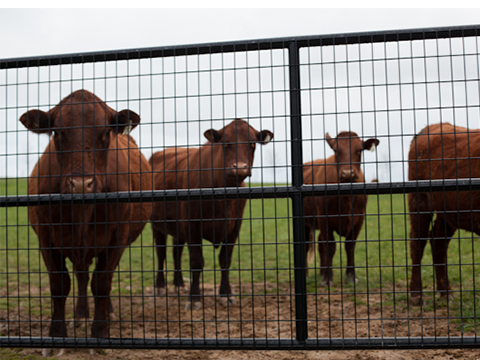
(222, 196)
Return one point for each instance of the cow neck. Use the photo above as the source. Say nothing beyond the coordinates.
(121, 150)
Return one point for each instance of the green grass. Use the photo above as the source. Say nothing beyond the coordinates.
(264, 253)
(12, 354)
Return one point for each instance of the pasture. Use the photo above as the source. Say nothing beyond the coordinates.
(262, 278)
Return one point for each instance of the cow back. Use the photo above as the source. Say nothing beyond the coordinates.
(445, 151)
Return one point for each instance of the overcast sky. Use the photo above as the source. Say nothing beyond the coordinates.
(32, 32)
(29, 32)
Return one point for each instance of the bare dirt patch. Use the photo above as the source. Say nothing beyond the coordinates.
(263, 310)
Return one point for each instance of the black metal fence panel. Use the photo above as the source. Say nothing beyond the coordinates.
(224, 195)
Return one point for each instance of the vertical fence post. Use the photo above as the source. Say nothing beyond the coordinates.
(297, 198)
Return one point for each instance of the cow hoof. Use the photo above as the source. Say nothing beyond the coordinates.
(46, 353)
(326, 283)
(447, 296)
(61, 352)
(417, 301)
(197, 305)
(182, 289)
(78, 321)
(100, 351)
(351, 279)
(160, 292)
(227, 300)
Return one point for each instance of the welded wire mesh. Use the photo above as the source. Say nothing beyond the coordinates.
(278, 247)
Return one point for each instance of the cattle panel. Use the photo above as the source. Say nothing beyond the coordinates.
(292, 187)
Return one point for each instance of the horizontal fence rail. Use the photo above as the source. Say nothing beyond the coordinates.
(252, 45)
(285, 250)
(257, 344)
(265, 192)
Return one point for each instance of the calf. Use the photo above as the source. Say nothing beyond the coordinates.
(343, 214)
(89, 152)
(224, 161)
(441, 151)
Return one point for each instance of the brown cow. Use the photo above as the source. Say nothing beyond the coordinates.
(441, 151)
(344, 214)
(89, 152)
(224, 161)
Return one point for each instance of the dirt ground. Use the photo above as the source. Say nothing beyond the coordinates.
(268, 355)
(261, 311)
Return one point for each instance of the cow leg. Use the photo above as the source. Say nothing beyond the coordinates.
(322, 253)
(309, 247)
(81, 267)
(420, 218)
(441, 235)
(350, 276)
(81, 307)
(60, 288)
(177, 261)
(160, 247)
(225, 259)
(331, 248)
(110, 309)
(326, 249)
(350, 242)
(101, 286)
(196, 268)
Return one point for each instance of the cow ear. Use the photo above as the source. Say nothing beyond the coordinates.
(124, 121)
(213, 135)
(331, 142)
(370, 144)
(264, 137)
(37, 121)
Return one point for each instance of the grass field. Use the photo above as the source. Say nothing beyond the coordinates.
(264, 255)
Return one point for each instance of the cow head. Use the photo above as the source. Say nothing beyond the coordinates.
(239, 141)
(83, 129)
(348, 149)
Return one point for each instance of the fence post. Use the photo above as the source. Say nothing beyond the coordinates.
(297, 198)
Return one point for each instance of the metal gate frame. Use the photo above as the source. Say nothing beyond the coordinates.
(296, 192)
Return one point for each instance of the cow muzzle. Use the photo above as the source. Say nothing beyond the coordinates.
(81, 185)
(348, 175)
(240, 170)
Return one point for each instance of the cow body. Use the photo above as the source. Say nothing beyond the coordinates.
(343, 215)
(87, 153)
(441, 151)
(224, 161)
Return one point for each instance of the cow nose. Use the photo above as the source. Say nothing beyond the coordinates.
(81, 185)
(241, 169)
(348, 175)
